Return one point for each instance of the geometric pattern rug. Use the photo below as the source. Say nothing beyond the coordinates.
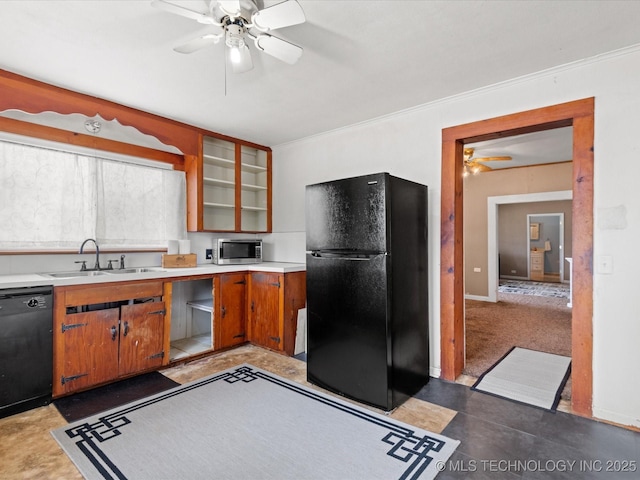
(527, 376)
(245, 422)
(540, 289)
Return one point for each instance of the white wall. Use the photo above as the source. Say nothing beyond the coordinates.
(408, 144)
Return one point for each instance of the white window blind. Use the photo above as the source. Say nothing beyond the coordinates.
(51, 199)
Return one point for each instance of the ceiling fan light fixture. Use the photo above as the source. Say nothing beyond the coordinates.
(238, 20)
(234, 54)
(235, 41)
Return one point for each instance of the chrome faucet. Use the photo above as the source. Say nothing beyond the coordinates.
(97, 266)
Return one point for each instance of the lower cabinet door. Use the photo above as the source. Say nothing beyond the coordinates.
(232, 310)
(264, 308)
(141, 337)
(90, 349)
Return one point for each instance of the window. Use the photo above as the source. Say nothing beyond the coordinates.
(51, 199)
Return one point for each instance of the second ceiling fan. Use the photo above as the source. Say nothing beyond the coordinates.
(471, 164)
(237, 22)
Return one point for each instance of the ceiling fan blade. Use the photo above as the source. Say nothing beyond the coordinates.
(277, 16)
(491, 159)
(281, 49)
(198, 43)
(230, 7)
(478, 167)
(242, 62)
(184, 12)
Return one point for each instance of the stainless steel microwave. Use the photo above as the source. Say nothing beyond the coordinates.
(231, 251)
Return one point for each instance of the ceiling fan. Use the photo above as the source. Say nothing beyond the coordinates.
(471, 164)
(237, 21)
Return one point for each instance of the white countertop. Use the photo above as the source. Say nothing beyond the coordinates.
(35, 279)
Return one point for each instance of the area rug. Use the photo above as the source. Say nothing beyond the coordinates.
(246, 423)
(539, 289)
(527, 376)
(85, 404)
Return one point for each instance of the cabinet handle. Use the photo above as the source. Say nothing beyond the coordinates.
(252, 306)
(126, 328)
(114, 333)
(223, 311)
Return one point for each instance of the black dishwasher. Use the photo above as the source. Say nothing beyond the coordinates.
(26, 348)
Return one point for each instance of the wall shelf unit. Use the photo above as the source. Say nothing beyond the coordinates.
(229, 187)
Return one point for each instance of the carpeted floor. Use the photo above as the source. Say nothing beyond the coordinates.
(533, 322)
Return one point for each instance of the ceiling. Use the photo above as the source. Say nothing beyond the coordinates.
(361, 60)
(549, 146)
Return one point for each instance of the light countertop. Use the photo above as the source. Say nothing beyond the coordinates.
(37, 279)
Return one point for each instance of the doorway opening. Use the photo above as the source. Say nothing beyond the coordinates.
(580, 115)
(519, 310)
(546, 247)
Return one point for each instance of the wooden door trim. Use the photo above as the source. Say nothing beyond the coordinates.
(580, 115)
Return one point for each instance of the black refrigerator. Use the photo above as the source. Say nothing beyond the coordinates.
(367, 298)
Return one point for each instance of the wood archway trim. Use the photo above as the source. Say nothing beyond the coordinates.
(580, 115)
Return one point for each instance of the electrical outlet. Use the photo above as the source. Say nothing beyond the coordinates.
(477, 269)
(513, 271)
(208, 254)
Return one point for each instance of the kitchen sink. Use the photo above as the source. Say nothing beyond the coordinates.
(90, 273)
(134, 270)
(93, 273)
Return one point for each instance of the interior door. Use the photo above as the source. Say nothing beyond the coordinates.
(141, 337)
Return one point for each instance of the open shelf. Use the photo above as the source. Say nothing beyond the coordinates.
(218, 161)
(192, 322)
(236, 187)
(218, 182)
(253, 188)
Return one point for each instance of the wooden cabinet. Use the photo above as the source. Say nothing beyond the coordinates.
(90, 350)
(536, 270)
(274, 300)
(141, 337)
(105, 332)
(230, 305)
(264, 303)
(229, 187)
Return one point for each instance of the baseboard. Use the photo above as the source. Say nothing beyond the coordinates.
(609, 416)
(512, 277)
(435, 372)
(478, 297)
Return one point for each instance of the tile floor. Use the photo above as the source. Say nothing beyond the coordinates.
(499, 439)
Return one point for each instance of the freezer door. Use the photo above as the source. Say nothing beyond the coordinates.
(348, 348)
(348, 214)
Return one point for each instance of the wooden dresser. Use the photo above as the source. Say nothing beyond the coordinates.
(536, 269)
